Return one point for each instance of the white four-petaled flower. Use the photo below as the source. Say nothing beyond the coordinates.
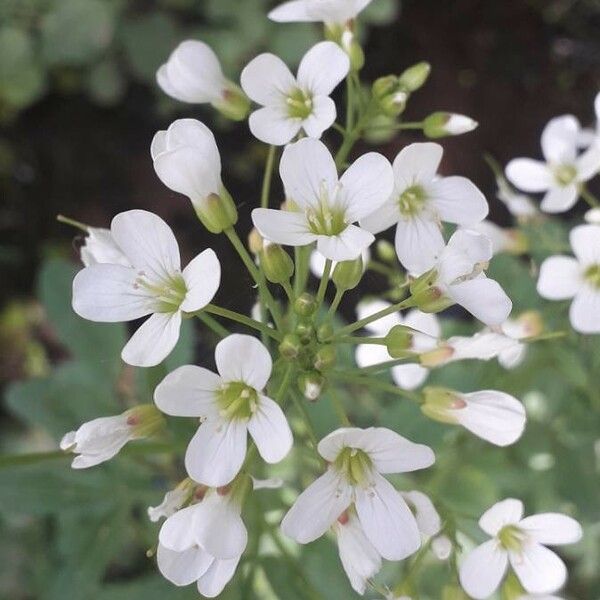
(357, 459)
(522, 543)
(231, 404)
(421, 200)
(564, 277)
(99, 247)
(331, 12)
(563, 170)
(327, 206)
(153, 284)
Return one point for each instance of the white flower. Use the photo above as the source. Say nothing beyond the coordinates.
(172, 502)
(590, 136)
(518, 205)
(153, 285)
(522, 543)
(331, 12)
(328, 207)
(99, 247)
(528, 324)
(592, 216)
(232, 405)
(503, 239)
(421, 200)
(291, 104)
(357, 459)
(564, 277)
(407, 376)
(563, 172)
(458, 277)
(317, 262)
(360, 559)
(493, 416)
(203, 542)
(458, 124)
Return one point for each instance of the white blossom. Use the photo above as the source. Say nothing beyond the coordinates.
(331, 12)
(563, 171)
(99, 247)
(589, 136)
(578, 277)
(153, 284)
(327, 206)
(231, 404)
(526, 325)
(317, 262)
(172, 502)
(357, 459)
(291, 104)
(421, 200)
(520, 542)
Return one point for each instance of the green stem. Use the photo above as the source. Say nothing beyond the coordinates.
(380, 268)
(339, 408)
(285, 385)
(302, 260)
(588, 196)
(213, 324)
(375, 383)
(384, 366)
(349, 104)
(299, 402)
(243, 319)
(347, 339)
(268, 176)
(339, 294)
(397, 126)
(72, 222)
(288, 291)
(324, 281)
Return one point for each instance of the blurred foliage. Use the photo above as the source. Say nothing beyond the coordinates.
(101, 47)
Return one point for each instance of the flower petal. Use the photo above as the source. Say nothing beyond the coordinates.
(365, 186)
(588, 164)
(584, 313)
(585, 241)
(560, 199)
(106, 293)
(202, 278)
(559, 139)
(428, 518)
(369, 307)
(457, 200)
(409, 377)
(321, 118)
(560, 278)
(368, 355)
(153, 340)
(506, 512)
(539, 570)
(323, 68)
(244, 358)
(416, 164)
(464, 251)
(188, 391)
(212, 583)
(552, 529)
(266, 79)
(386, 520)
(529, 175)
(283, 227)
(293, 11)
(182, 568)
(483, 569)
(383, 218)
(418, 242)
(483, 298)
(270, 431)
(316, 508)
(273, 125)
(348, 245)
(215, 454)
(177, 532)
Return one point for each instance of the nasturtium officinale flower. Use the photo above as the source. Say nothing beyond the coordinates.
(330, 12)
(563, 171)
(153, 284)
(564, 277)
(193, 74)
(357, 459)
(522, 543)
(231, 404)
(99, 247)
(291, 104)
(327, 206)
(421, 200)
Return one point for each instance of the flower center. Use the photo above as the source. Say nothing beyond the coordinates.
(565, 174)
(169, 294)
(237, 400)
(511, 537)
(299, 104)
(355, 465)
(592, 275)
(411, 201)
(325, 220)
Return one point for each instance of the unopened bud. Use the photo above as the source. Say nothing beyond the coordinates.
(145, 420)
(415, 77)
(390, 95)
(325, 357)
(217, 211)
(306, 332)
(436, 357)
(426, 296)
(305, 305)
(386, 251)
(290, 346)
(347, 274)
(442, 124)
(532, 323)
(276, 263)
(255, 241)
(439, 401)
(324, 332)
(398, 341)
(234, 104)
(517, 241)
(311, 385)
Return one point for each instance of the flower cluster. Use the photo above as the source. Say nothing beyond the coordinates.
(333, 210)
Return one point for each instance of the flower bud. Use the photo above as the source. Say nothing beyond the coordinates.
(437, 356)
(325, 357)
(255, 241)
(398, 341)
(347, 274)
(386, 251)
(306, 332)
(276, 263)
(324, 332)
(144, 420)
(305, 305)
(516, 242)
(391, 97)
(217, 211)
(426, 295)
(415, 77)
(438, 401)
(311, 385)
(290, 346)
(234, 104)
(441, 124)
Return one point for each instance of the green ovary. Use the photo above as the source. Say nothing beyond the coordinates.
(411, 201)
(169, 295)
(511, 537)
(592, 275)
(299, 104)
(325, 220)
(565, 174)
(237, 400)
(355, 465)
